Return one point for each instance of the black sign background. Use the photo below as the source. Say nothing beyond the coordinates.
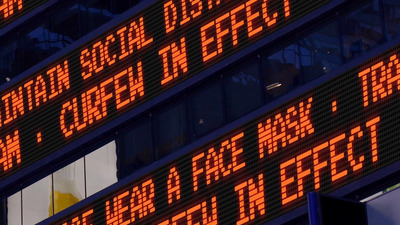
(346, 89)
(28, 5)
(45, 119)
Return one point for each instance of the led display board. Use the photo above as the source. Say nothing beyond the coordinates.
(126, 66)
(12, 9)
(328, 137)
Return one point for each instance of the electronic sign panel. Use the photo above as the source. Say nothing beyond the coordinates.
(13, 9)
(328, 137)
(133, 62)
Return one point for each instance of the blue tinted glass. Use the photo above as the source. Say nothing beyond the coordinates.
(170, 129)
(362, 30)
(65, 26)
(9, 59)
(242, 90)
(95, 13)
(135, 148)
(35, 44)
(282, 71)
(320, 51)
(392, 17)
(206, 110)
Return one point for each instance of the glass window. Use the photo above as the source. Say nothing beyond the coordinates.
(94, 13)
(320, 52)
(69, 185)
(362, 30)
(206, 110)
(242, 90)
(35, 44)
(14, 216)
(61, 33)
(392, 17)
(170, 129)
(282, 71)
(135, 148)
(9, 59)
(36, 201)
(101, 168)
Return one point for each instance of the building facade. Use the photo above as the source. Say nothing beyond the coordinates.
(185, 112)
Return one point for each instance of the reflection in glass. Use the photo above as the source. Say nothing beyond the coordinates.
(170, 129)
(242, 90)
(282, 71)
(392, 17)
(9, 63)
(36, 201)
(101, 168)
(69, 185)
(320, 52)
(362, 30)
(206, 110)
(135, 148)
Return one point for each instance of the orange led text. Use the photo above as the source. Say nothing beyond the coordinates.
(201, 213)
(131, 205)
(255, 204)
(10, 151)
(285, 128)
(84, 219)
(337, 156)
(213, 164)
(124, 88)
(252, 17)
(7, 7)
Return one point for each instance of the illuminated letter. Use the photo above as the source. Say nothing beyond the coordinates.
(374, 139)
(393, 73)
(17, 102)
(110, 60)
(10, 151)
(212, 166)
(136, 36)
(91, 105)
(286, 181)
(196, 171)
(302, 173)
(210, 220)
(306, 126)
(174, 187)
(28, 86)
(292, 125)
(98, 57)
(136, 85)
(119, 90)
(67, 131)
(179, 60)
(355, 133)
(236, 152)
(264, 138)
(335, 158)
(87, 67)
(104, 95)
(236, 24)
(8, 7)
(170, 20)
(7, 107)
(267, 19)
(121, 32)
(40, 90)
(206, 41)
(317, 164)
(251, 17)
(221, 33)
(148, 197)
(286, 4)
